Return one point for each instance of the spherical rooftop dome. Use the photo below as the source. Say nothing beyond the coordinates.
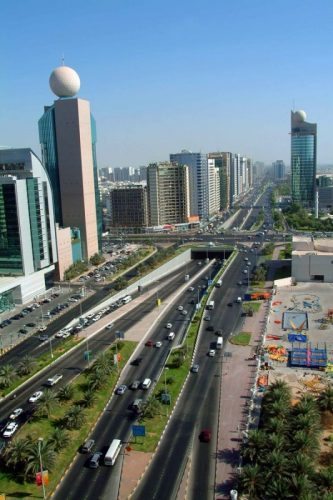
(300, 115)
(64, 82)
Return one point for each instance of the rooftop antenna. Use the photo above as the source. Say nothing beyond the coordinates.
(63, 60)
(294, 105)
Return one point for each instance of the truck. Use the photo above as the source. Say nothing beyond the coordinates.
(210, 305)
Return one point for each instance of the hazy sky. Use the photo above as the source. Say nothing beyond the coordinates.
(162, 76)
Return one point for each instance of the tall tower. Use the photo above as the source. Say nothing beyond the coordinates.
(68, 138)
(303, 159)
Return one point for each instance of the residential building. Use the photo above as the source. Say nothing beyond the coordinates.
(168, 193)
(67, 133)
(303, 159)
(222, 162)
(128, 206)
(198, 180)
(213, 188)
(28, 250)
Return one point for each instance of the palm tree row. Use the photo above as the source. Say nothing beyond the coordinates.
(281, 457)
(8, 374)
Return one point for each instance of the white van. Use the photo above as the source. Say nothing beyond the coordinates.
(171, 336)
(239, 300)
(146, 383)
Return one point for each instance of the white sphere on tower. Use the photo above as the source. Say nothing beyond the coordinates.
(64, 81)
(300, 115)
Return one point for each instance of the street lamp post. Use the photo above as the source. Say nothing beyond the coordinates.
(165, 389)
(51, 351)
(40, 440)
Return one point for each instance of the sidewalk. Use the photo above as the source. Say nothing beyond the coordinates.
(238, 378)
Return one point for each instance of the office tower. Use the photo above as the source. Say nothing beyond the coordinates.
(67, 134)
(303, 159)
(222, 163)
(168, 193)
(324, 180)
(128, 206)
(198, 180)
(28, 249)
(279, 170)
(213, 188)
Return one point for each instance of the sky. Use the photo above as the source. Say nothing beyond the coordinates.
(166, 75)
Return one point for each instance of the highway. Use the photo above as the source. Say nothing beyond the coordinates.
(84, 483)
(197, 409)
(74, 363)
(33, 347)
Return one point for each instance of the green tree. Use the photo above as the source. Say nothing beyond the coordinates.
(74, 418)
(7, 375)
(324, 480)
(252, 481)
(325, 399)
(59, 439)
(16, 454)
(302, 487)
(26, 365)
(103, 364)
(254, 445)
(66, 393)
(304, 443)
(150, 408)
(46, 403)
(97, 259)
(39, 450)
(89, 398)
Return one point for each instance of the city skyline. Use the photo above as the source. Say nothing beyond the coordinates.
(182, 75)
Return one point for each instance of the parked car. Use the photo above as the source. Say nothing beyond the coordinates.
(10, 429)
(16, 413)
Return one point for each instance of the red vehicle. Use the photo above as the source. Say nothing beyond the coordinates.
(205, 435)
(149, 343)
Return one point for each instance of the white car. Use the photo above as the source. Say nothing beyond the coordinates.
(65, 335)
(184, 313)
(59, 334)
(168, 326)
(10, 429)
(16, 413)
(191, 289)
(42, 328)
(211, 353)
(158, 344)
(35, 397)
(109, 326)
(180, 308)
(121, 389)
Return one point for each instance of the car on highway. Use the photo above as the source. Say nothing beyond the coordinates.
(245, 271)
(66, 334)
(135, 385)
(43, 337)
(149, 343)
(205, 435)
(239, 283)
(10, 429)
(211, 353)
(195, 368)
(16, 413)
(95, 459)
(210, 328)
(168, 325)
(54, 380)
(35, 397)
(180, 308)
(136, 361)
(190, 289)
(158, 344)
(121, 389)
(109, 326)
(184, 312)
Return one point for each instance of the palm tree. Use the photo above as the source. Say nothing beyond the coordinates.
(150, 408)
(47, 403)
(26, 365)
(59, 439)
(305, 443)
(325, 399)
(275, 409)
(302, 487)
(278, 487)
(324, 480)
(276, 442)
(252, 481)
(307, 406)
(16, 453)
(255, 445)
(276, 463)
(302, 465)
(275, 425)
(74, 418)
(39, 451)
(89, 398)
(97, 379)
(103, 364)
(7, 375)
(66, 393)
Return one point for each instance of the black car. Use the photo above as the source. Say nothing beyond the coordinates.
(31, 325)
(23, 331)
(136, 361)
(210, 328)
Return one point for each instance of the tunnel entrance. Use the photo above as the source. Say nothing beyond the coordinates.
(210, 253)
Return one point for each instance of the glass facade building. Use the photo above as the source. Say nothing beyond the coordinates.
(303, 159)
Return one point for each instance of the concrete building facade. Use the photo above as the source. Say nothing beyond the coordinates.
(312, 260)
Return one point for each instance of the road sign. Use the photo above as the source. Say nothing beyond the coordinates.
(166, 399)
(87, 355)
(210, 282)
(138, 430)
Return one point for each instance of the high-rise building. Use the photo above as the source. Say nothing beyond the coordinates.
(198, 180)
(128, 206)
(279, 170)
(168, 193)
(67, 133)
(28, 248)
(303, 159)
(213, 188)
(222, 163)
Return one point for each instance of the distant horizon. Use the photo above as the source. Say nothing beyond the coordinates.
(162, 77)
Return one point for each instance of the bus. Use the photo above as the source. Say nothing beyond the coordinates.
(210, 305)
(113, 452)
(218, 284)
(219, 343)
(127, 299)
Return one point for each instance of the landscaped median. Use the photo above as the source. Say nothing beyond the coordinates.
(63, 420)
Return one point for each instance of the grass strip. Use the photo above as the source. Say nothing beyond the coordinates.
(242, 338)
